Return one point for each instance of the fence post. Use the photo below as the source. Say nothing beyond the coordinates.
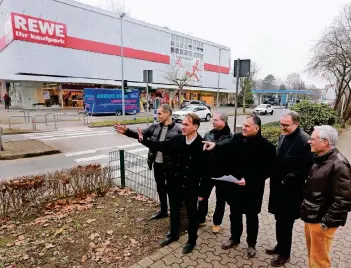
(122, 168)
(155, 117)
(1, 144)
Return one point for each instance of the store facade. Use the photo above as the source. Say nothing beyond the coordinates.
(51, 49)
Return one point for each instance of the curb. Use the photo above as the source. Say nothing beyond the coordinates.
(21, 132)
(136, 123)
(151, 122)
(28, 155)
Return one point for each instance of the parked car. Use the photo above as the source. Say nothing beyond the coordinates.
(186, 103)
(264, 109)
(202, 111)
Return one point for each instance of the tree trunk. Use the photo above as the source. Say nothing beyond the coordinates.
(1, 144)
(180, 96)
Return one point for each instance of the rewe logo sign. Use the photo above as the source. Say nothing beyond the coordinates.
(37, 30)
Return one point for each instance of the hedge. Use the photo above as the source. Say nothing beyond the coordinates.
(30, 195)
(314, 114)
(271, 131)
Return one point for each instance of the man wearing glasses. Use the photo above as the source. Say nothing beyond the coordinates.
(220, 134)
(327, 198)
(294, 160)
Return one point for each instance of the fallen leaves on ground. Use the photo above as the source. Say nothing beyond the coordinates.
(89, 232)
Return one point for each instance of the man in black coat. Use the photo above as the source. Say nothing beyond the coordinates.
(294, 160)
(164, 130)
(221, 134)
(250, 159)
(184, 167)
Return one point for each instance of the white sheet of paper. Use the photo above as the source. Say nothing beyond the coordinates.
(228, 178)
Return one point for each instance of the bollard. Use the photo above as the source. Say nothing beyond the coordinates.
(155, 117)
(134, 115)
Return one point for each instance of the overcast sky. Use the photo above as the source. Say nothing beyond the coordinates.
(276, 34)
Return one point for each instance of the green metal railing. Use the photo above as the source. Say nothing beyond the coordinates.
(132, 171)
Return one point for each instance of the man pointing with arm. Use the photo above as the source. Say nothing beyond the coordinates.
(164, 130)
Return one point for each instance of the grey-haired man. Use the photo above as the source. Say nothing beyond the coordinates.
(327, 197)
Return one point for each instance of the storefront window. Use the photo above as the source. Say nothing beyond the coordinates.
(73, 98)
(49, 95)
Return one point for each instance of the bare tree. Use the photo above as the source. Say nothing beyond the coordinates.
(332, 59)
(247, 83)
(177, 77)
(115, 6)
(294, 81)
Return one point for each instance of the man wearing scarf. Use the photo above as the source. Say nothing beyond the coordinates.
(221, 134)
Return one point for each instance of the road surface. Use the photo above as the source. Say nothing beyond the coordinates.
(82, 145)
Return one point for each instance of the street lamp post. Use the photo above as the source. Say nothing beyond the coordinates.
(219, 73)
(122, 15)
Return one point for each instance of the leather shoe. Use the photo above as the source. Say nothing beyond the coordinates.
(251, 252)
(280, 261)
(272, 251)
(168, 240)
(229, 244)
(159, 215)
(188, 248)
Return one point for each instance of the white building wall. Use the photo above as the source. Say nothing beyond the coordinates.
(94, 24)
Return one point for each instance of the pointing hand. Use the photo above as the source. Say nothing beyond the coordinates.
(208, 146)
(120, 129)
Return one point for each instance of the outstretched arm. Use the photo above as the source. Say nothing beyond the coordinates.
(167, 147)
(122, 129)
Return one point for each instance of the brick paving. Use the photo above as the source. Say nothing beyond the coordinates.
(208, 252)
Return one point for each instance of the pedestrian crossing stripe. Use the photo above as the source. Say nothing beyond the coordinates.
(103, 155)
(67, 134)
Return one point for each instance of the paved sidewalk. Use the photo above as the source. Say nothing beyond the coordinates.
(209, 254)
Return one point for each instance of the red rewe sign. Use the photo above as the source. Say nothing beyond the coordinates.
(37, 30)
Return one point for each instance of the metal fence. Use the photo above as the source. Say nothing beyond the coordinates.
(132, 171)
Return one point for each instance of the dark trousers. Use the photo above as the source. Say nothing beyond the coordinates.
(236, 227)
(160, 179)
(7, 105)
(284, 228)
(236, 218)
(220, 205)
(178, 194)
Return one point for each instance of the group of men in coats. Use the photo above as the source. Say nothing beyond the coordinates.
(188, 166)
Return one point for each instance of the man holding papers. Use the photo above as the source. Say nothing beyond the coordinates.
(250, 161)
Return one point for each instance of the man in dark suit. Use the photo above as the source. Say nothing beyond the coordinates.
(250, 159)
(294, 160)
(184, 168)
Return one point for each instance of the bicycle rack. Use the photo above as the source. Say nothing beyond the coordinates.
(60, 115)
(85, 118)
(33, 122)
(25, 115)
(55, 119)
